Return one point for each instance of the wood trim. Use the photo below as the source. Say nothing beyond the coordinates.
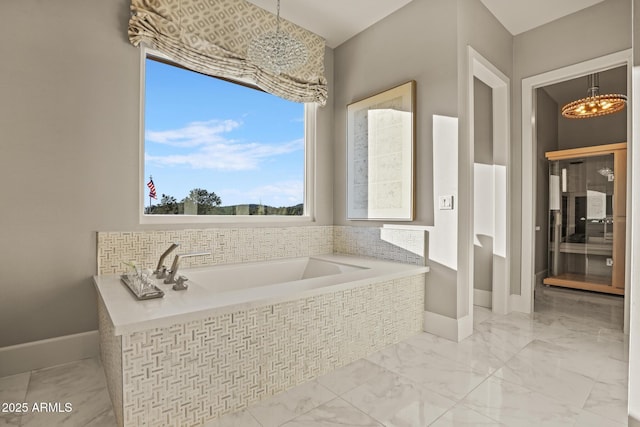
(619, 246)
(571, 281)
(620, 183)
(596, 150)
(619, 218)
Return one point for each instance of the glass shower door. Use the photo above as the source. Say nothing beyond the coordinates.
(598, 218)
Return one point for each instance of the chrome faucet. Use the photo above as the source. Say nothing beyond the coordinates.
(161, 271)
(171, 279)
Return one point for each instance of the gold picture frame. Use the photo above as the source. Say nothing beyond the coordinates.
(380, 155)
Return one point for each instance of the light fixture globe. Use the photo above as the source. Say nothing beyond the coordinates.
(594, 105)
(276, 51)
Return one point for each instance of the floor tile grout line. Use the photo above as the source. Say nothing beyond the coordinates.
(361, 411)
(461, 400)
(315, 407)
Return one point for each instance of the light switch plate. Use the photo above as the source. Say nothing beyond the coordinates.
(445, 202)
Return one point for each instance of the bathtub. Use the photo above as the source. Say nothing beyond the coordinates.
(245, 332)
(226, 288)
(252, 275)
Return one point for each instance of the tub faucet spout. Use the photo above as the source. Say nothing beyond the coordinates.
(160, 268)
(173, 274)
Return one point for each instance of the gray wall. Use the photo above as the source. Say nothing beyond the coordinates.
(418, 42)
(424, 41)
(402, 47)
(477, 28)
(69, 157)
(547, 48)
(547, 137)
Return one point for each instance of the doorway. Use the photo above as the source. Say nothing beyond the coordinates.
(488, 219)
(542, 97)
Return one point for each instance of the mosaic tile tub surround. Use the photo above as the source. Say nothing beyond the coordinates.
(191, 372)
(188, 373)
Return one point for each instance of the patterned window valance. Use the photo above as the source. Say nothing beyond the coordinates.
(212, 37)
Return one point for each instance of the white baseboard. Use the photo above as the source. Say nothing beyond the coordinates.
(26, 357)
(517, 303)
(482, 298)
(447, 327)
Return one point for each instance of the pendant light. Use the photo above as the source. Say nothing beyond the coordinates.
(276, 51)
(594, 104)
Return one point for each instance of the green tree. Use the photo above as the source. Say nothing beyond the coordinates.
(168, 206)
(204, 200)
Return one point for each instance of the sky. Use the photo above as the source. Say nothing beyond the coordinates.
(245, 145)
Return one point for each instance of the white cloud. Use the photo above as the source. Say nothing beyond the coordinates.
(211, 150)
(194, 134)
(284, 193)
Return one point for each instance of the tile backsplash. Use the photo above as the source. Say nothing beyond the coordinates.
(235, 245)
(227, 245)
(406, 245)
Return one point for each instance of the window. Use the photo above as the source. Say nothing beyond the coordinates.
(217, 150)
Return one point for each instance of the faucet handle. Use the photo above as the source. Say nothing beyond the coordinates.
(180, 283)
(161, 274)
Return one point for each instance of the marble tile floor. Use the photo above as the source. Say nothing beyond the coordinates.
(566, 365)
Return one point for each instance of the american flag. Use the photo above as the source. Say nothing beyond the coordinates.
(152, 189)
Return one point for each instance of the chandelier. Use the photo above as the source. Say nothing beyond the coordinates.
(277, 52)
(594, 104)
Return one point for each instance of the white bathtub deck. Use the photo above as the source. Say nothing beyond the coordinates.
(130, 315)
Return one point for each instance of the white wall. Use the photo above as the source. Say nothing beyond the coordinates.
(69, 158)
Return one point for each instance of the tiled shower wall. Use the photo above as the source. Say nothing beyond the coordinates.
(235, 245)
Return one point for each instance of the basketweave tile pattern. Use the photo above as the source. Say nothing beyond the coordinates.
(189, 373)
(400, 245)
(227, 245)
(111, 356)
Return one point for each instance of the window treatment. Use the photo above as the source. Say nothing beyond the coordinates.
(213, 36)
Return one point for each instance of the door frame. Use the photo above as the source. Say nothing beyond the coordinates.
(489, 74)
(524, 301)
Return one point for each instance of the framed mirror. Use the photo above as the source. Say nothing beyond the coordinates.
(380, 155)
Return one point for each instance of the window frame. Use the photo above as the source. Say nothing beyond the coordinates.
(310, 115)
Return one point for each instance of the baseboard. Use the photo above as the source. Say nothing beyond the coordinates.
(447, 327)
(482, 298)
(517, 303)
(540, 277)
(26, 357)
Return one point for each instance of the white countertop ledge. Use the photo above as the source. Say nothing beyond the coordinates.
(130, 315)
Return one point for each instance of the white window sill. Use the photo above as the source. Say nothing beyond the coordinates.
(224, 219)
